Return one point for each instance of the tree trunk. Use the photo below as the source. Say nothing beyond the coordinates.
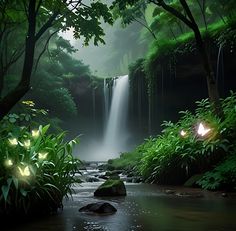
(22, 88)
(189, 20)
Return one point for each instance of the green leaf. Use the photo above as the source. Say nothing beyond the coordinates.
(16, 182)
(5, 190)
(23, 192)
(45, 129)
(12, 120)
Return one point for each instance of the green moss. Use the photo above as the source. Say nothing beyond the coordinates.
(110, 183)
(158, 49)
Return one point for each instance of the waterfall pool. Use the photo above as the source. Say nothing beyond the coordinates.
(146, 207)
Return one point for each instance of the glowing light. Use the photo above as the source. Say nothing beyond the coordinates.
(28, 103)
(25, 171)
(42, 156)
(183, 133)
(35, 133)
(8, 163)
(27, 143)
(202, 131)
(13, 141)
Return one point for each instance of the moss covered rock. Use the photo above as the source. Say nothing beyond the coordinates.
(111, 188)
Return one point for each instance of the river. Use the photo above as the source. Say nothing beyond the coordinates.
(146, 207)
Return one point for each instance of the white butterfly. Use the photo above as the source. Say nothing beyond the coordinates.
(13, 141)
(25, 171)
(183, 133)
(27, 143)
(43, 155)
(8, 162)
(35, 133)
(202, 131)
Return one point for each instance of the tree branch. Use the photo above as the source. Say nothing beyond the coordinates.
(38, 7)
(189, 14)
(47, 25)
(173, 11)
(147, 27)
(44, 49)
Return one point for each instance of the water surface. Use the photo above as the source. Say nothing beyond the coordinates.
(146, 207)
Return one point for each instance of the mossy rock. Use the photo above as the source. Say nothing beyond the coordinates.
(111, 188)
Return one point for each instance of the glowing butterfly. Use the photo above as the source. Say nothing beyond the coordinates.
(35, 133)
(25, 171)
(13, 141)
(202, 131)
(8, 162)
(183, 133)
(27, 143)
(43, 156)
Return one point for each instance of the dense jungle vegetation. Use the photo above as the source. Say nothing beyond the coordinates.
(39, 75)
(183, 151)
(172, 158)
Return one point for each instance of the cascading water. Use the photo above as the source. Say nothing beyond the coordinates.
(218, 63)
(113, 139)
(106, 100)
(116, 134)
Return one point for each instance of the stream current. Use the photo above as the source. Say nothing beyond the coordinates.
(146, 207)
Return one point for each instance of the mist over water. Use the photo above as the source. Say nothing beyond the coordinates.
(114, 139)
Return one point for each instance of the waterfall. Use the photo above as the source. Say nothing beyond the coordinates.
(106, 100)
(218, 64)
(116, 134)
(94, 105)
(113, 139)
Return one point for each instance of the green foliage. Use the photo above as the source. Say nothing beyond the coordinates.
(36, 168)
(127, 161)
(223, 176)
(174, 156)
(61, 103)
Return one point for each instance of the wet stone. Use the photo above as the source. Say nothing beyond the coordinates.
(99, 208)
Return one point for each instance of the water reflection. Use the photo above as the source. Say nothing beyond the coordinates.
(144, 208)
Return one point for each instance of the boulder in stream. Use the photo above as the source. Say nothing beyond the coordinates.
(99, 208)
(111, 188)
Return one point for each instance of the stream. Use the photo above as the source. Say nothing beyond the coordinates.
(146, 207)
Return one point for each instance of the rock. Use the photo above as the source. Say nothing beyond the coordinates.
(103, 177)
(190, 194)
(111, 188)
(133, 179)
(114, 172)
(92, 179)
(114, 177)
(169, 191)
(99, 207)
(224, 194)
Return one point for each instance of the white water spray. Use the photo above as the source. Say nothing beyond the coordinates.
(116, 135)
(106, 100)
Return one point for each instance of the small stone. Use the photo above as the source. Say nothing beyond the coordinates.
(169, 191)
(224, 194)
(99, 208)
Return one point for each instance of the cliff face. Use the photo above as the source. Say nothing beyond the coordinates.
(178, 81)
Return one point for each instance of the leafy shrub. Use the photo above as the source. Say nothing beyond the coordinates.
(129, 161)
(223, 176)
(36, 168)
(171, 158)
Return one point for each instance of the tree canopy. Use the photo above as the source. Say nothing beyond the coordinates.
(33, 19)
